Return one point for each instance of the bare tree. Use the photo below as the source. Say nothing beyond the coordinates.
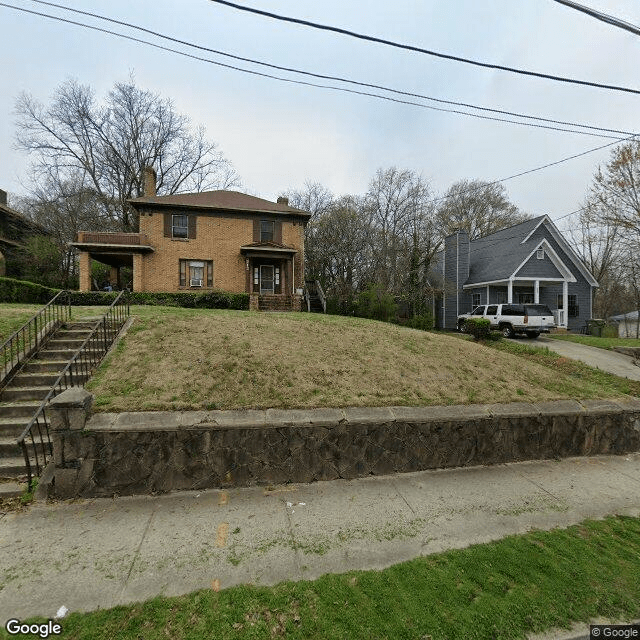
(111, 143)
(478, 207)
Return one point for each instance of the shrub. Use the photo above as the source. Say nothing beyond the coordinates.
(424, 322)
(375, 303)
(12, 290)
(609, 331)
(186, 299)
(479, 328)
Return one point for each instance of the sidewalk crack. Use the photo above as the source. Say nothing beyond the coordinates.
(136, 555)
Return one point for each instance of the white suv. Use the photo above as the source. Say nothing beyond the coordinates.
(530, 319)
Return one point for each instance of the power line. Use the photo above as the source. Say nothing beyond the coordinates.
(415, 49)
(330, 77)
(603, 17)
(301, 82)
(516, 175)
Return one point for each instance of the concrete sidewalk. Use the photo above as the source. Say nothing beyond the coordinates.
(610, 361)
(97, 553)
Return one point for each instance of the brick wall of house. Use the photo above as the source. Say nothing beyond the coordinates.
(218, 238)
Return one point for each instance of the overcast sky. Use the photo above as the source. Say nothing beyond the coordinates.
(279, 135)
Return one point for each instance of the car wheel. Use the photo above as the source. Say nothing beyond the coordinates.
(463, 327)
(533, 334)
(507, 331)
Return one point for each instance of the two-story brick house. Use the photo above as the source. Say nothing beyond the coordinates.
(201, 241)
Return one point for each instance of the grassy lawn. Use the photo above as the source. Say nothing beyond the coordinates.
(13, 316)
(503, 590)
(594, 341)
(192, 359)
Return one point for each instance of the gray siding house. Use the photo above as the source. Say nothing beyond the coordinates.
(529, 262)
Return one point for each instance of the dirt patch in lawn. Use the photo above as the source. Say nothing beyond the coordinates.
(193, 359)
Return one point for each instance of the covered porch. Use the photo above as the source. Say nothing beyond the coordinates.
(553, 292)
(116, 250)
(270, 276)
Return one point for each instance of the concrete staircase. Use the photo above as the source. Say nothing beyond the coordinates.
(315, 303)
(22, 397)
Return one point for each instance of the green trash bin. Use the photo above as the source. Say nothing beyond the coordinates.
(595, 327)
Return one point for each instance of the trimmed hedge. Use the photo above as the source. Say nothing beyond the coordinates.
(479, 328)
(186, 299)
(192, 300)
(12, 290)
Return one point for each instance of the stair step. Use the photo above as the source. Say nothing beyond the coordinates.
(59, 354)
(9, 448)
(11, 410)
(12, 467)
(12, 489)
(40, 366)
(33, 380)
(65, 343)
(13, 427)
(35, 393)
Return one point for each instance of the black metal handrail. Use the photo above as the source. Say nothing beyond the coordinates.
(24, 342)
(35, 439)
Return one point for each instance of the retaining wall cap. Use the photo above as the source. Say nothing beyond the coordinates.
(440, 414)
(368, 415)
(559, 407)
(629, 403)
(73, 397)
(101, 421)
(247, 418)
(515, 409)
(286, 417)
(600, 406)
(147, 421)
(325, 417)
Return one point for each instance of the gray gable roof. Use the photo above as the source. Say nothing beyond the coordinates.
(497, 256)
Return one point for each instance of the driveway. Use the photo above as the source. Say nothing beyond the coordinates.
(610, 361)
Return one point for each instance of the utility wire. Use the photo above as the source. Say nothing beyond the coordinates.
(330, 77)
(301, 82)
(429, 52)
(603, 17)
(511, 177)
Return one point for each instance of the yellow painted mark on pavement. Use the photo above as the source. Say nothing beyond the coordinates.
(215, 584)
(223, 530)
(224, 498)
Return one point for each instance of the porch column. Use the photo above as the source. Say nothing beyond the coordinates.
(565, 304)
(138, 276)
(510, 292)
(536, 292)
(114, 277)
(84, 261)
(487, 302)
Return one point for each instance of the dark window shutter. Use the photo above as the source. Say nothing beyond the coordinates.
(167, 225)
(256, 230)
(192, 227)
(277, 235)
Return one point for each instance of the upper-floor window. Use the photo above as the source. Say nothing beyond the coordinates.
(266, 230)
(180, 226)
(540, 254)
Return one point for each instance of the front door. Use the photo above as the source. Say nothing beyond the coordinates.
(266, 278)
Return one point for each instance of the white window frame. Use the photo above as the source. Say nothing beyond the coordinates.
(475, 297)
(540, 254)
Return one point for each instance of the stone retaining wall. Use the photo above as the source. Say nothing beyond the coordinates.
(133, 453)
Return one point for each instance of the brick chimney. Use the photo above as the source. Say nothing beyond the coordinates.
(283, 200)
(149, 176)
(3, 197)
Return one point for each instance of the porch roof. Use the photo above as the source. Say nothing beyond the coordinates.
(265, 249)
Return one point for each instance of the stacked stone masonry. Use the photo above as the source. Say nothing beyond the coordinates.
(148, 452)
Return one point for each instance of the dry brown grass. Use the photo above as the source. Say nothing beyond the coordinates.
(190, 359)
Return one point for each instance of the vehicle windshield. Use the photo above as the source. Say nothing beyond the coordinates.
(537, 310)
(478, 311)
